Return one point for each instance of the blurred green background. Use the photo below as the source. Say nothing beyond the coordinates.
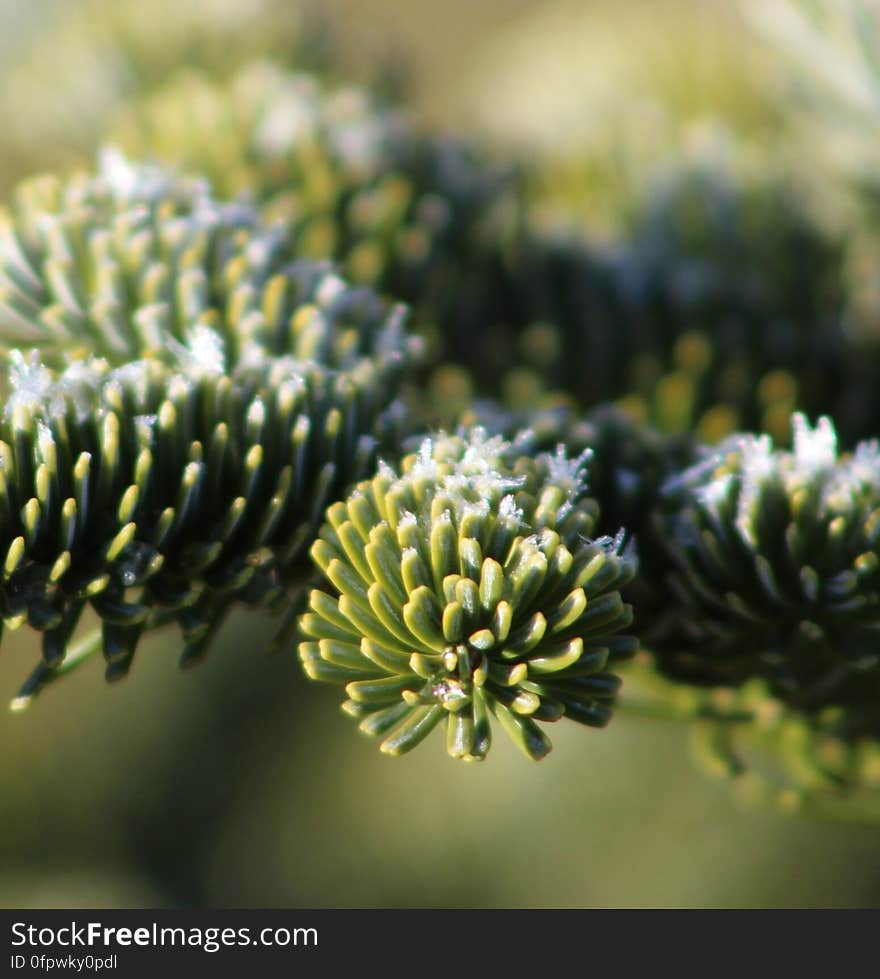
(238, 785)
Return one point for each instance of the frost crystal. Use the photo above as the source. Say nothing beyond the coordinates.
(619, 544)
(134, 374)
(425, 466)
(330, 289)
(387, 472)
(852, 479)
(45, 441)
(473, 470)
(508, 510)
(204, 350)
(256, 415)
(146, 183)
(571, 474)
(252, 355)
(864, 467)
(407, 519)
(816, 448)
(758, 467)
(207, 349)
(30, 381)
(84, 373)
(115, 168)
(262, 247)
(479, 508)
(146, 424)
(713, 494)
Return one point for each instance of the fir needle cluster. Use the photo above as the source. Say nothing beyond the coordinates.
(465, 587)
(774, 568)
(192, 400)
(136, 261)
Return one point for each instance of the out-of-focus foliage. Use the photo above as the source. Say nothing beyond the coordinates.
(397, 207)
(106, 53)
(712, 286)
(607, 102)
(765, 750)
(829, 48)
(720, 310)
